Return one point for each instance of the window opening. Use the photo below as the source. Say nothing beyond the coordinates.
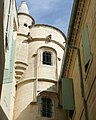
(47, 58)
(25, 25)
(46, 107)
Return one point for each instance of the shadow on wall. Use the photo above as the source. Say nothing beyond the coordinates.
(2, 114)
(32, 111)
(53, 88)
(29, 113)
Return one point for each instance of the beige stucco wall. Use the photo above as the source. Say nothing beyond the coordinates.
(89, 77)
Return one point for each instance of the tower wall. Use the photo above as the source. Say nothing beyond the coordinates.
(21, 61)
(25, 21)
(38, 61)
(38, 77)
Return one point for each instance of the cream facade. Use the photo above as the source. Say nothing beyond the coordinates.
(82, 35)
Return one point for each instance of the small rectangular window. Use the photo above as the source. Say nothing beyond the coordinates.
(47, 58)
(46, 107)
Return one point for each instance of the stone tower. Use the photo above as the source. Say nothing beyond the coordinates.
(39, 52)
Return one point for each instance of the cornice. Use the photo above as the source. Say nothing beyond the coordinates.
(73, 39)
(33, 79)
(50, 26)
(47, 80)
(72, 35)
(39, 39)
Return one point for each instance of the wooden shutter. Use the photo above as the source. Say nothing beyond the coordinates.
(86, 45)
(67, 94)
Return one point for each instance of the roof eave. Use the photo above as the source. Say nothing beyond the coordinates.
(72, 19)
(70, 29)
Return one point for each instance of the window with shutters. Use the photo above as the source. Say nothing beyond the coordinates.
(46, 107)
(68, 94)
(47, 58)
(68, 102)
(86, 47)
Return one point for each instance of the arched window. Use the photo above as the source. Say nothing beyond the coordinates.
(47, 58)
(46, 107)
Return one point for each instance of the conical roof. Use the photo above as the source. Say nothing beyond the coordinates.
(23, 8)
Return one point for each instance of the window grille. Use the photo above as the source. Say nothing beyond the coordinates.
(47, 58)
(46, 107)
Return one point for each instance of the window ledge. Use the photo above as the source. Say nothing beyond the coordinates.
(33, 103)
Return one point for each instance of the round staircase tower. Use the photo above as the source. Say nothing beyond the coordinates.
(25, 21)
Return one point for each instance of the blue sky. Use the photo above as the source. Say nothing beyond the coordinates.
(51, 12)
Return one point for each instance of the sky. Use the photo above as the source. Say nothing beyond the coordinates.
(52, 12)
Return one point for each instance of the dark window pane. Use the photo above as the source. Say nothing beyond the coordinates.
(47, 58)
(46, 109)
